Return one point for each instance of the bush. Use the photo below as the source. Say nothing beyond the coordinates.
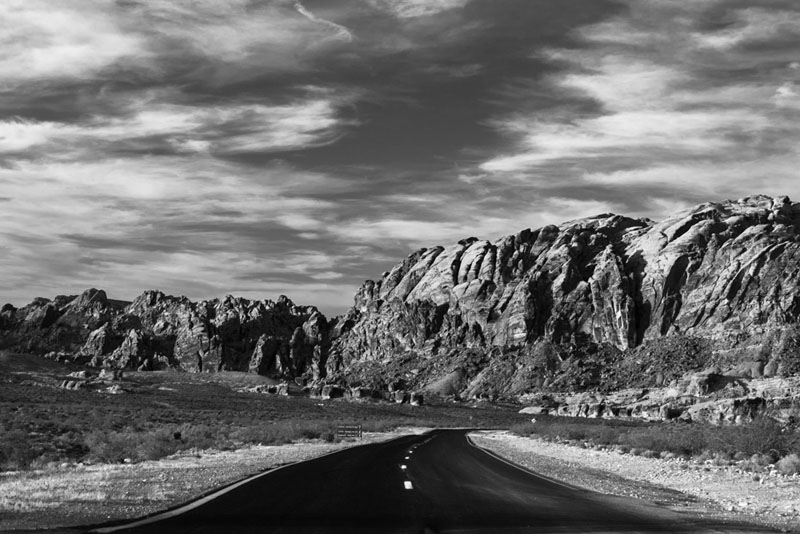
(108, 446)
(200, 436)
(523, 429)
(790, 465)
(157, 444)
(757, 462)
(16, 451)
(763, 436)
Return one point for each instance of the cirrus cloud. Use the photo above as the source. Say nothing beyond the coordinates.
(675, 98)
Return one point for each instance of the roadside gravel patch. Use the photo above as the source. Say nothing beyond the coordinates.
(720, 493)
(72, 495)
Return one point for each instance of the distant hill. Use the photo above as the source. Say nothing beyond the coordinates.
(157, 331)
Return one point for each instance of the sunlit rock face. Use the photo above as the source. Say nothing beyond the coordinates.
(726, 272)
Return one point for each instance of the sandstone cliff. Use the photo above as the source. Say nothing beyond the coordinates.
(158, 331)
(597, 303)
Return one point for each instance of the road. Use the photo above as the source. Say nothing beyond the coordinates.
(435, 482)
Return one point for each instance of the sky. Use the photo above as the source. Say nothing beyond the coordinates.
(267, 147)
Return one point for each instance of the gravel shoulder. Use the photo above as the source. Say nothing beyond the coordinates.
(719, 493)
(73, 495)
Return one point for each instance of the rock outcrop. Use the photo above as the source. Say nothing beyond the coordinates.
(157, 331)
(593, 303)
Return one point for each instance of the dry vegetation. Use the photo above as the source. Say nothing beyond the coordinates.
(161, 413)
(753, 446)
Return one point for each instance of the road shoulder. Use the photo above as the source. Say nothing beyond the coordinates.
(706, 491)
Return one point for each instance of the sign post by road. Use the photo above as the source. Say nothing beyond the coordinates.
(348, 431)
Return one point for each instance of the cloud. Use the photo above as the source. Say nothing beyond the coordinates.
(417, 8)
(754, 26)
(234, 128)
(45, 40)
(676, 104)
(340, 31)
(52, 41)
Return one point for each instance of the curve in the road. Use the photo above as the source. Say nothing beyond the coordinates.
(435, 482)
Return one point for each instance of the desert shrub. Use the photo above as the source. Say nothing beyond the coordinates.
(683, 440)
(16, 451)
(789, 465)
(108, 446)
(757, 462)
(200, 436)
(523, 429)
(603, 435)
(131, 445)
(763, 436)
(156, 444)
(281, 432)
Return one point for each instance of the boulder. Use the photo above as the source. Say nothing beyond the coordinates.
(332, 392)
(535, 410)
(362, 393)
(110, 374)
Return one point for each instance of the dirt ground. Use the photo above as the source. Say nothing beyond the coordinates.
(725, 494)
(75, 494)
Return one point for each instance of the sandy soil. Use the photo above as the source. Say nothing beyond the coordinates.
(72, 495)
(721, 493)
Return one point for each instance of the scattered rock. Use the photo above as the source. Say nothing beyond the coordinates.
(332, 392)
(110, 374)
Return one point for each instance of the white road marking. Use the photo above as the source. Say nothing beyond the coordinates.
(408, 485)
(403, 467)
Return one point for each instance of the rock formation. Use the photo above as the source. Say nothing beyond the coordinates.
(594, 303)
(158, 331)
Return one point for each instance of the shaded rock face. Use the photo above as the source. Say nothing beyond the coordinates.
(66, 322)
(158, 331)
(724, 273)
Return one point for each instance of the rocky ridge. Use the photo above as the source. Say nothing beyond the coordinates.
(158, 331)
(597, 304)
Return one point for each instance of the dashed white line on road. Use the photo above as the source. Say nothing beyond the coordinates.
(408, 485)
(403, 466)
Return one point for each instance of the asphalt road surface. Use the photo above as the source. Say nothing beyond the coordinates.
(435, 482)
